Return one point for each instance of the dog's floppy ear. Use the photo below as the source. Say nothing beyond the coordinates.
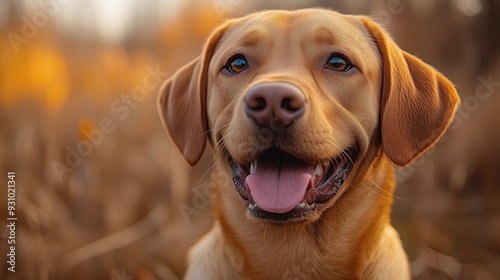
(417, 102)
(181, 102)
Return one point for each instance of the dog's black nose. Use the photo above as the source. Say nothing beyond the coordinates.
(269, 102)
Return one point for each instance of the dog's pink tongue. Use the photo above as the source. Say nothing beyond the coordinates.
(279, 182)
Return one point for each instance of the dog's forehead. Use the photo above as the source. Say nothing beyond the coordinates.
(311, 25)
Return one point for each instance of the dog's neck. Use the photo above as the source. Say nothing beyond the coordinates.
(320, 248)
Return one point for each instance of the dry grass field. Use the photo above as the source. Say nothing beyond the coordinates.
(102, 193)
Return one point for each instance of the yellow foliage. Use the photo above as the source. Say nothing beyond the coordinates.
(85, 126)
(38, 71)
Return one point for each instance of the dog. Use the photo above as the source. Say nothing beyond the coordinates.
(306, 111)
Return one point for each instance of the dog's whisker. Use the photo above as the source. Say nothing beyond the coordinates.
(246, 220)
(375, 192)
(206, 173)
(383, 190)
(213, 129)
(218, 150)
(343, 153)
(219, 145)
(316, 234)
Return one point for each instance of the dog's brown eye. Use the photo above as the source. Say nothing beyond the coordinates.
(237, 64)
(338, 62)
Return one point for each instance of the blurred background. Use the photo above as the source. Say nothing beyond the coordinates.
(103, 194)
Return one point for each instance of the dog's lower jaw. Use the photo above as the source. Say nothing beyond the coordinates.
(337, 249)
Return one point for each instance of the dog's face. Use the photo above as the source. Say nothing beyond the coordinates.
(295, 102)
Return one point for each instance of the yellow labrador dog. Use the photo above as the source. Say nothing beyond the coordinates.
(306, 112)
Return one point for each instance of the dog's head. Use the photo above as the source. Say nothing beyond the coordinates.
(294, 102)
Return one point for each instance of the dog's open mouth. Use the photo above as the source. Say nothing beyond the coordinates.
(280, 187)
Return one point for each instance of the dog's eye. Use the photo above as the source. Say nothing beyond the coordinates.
(338, 62)
(237, 64)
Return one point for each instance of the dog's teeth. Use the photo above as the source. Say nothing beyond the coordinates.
(318, 170)
(252, 168)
